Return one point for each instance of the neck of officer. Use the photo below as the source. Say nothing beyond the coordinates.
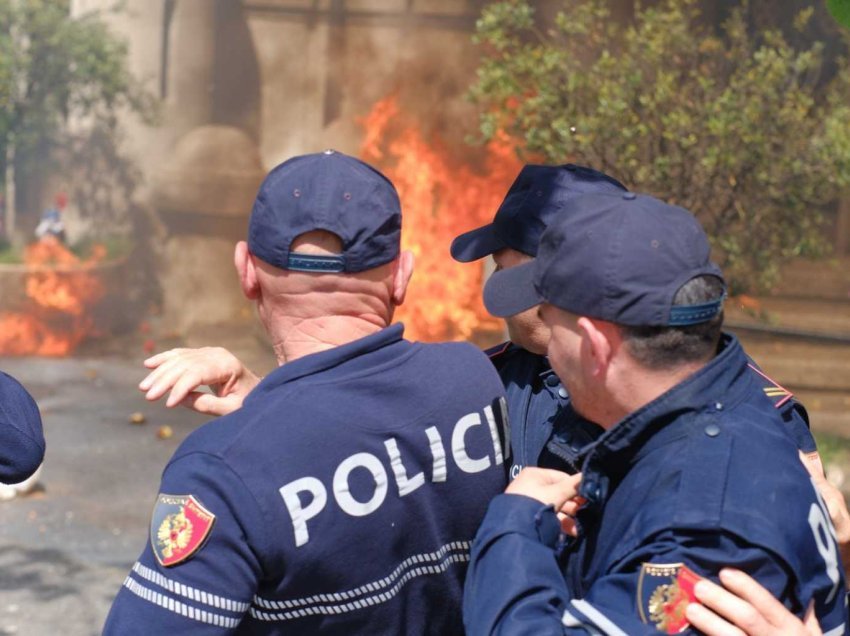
(635, 386)
(311, 313)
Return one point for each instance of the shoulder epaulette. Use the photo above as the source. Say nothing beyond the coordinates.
(498, 350)
(778, 394)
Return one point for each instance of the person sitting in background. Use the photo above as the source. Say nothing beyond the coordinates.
(51, 224)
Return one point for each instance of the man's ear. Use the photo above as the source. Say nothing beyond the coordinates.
(401, 276)
(600, 341)
(246, 270)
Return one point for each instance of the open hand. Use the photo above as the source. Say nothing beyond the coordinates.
(183, 371)
(744, 607)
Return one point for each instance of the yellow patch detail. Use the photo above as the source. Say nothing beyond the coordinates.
(175, 533)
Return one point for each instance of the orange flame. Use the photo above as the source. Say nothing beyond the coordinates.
(60, 290)
(440, 198)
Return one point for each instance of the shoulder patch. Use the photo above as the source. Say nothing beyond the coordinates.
(498, 350)
(777, 393)
(180, 525)
(663, 593)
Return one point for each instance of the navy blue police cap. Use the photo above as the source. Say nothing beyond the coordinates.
(619, 258)
(21, 435)
(326, 191)
(537, 196)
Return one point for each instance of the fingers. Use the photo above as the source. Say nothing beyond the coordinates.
(837, 508)
(183, 370)
(744, 607)
(210, 404)
(709, 623)
(572, 506)
(157, 359)
(738, 611)
(751, 591)
(568, 524)
(811, 621)
(175, 376)
(182, 383)
(813, 464)
(551, 487)
(833, 498)
(163, 367)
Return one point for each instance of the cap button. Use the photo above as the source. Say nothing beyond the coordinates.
(329, 151)
(628, 196)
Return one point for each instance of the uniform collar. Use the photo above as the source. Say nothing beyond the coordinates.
(716, 386)
(325, 360)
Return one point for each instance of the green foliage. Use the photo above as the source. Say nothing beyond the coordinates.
(60, 80)
(834, 449)
(738, 128)
(840, 10)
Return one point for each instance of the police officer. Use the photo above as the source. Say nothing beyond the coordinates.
(343, 495)
(692, 472)
(21, 434)
(535, 395)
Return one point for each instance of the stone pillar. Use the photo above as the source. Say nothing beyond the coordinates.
(203, 195)
(188, 68)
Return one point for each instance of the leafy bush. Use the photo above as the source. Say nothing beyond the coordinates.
(738, 127)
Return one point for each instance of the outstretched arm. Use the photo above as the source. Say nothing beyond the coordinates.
(182, 371)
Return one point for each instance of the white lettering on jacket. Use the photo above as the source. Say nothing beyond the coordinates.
(313, 491)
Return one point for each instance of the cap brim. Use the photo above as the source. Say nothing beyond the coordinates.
(511, 291)
(476, 244)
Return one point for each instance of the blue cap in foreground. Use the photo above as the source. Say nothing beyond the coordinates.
(326, 191)
(619, 258)
(535, 199)
(21, 435)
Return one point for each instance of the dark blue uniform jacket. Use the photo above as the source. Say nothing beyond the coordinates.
(704, 476)
(21, 435)
(535, 398)
(544, 432)
(345, 492)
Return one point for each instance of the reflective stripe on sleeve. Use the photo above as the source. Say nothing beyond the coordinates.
(172, 605)
(186, 591)
(367, 595)
(569, 620)
(596, 618)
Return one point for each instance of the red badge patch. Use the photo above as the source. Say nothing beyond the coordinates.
(180, 525)
(663, 593)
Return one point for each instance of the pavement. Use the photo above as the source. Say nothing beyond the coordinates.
(66, 548)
